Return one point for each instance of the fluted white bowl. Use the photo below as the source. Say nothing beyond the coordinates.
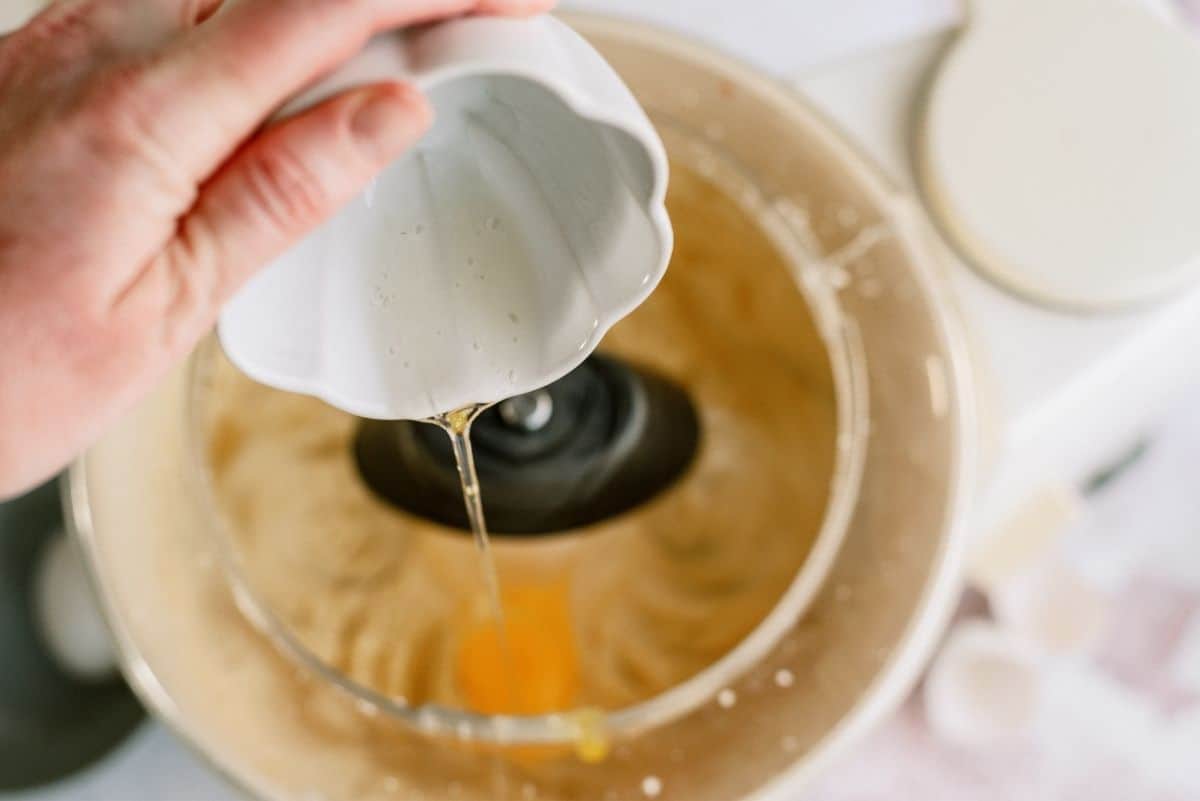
(491, 259)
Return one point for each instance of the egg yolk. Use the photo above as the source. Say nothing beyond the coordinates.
(535, 670)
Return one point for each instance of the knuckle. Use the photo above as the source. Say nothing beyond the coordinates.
(196, 11)
(119, 103)
(192, 297)
(329, 12)
(119, 115)
(343, 25)
(63, 23)
(63, 34)
(285, 189)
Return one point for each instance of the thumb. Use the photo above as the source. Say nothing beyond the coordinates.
(280, 186)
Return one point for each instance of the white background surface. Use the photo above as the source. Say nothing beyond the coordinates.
(787, 36)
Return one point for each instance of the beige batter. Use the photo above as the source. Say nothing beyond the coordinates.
(604, 617)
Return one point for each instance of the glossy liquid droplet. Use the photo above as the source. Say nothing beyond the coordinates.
(651, 787)
(592, 742)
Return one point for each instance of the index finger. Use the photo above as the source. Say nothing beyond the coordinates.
(223, 79)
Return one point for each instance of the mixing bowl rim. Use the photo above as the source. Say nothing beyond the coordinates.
(901, 670)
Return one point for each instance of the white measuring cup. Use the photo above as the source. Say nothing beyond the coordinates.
(490, 260)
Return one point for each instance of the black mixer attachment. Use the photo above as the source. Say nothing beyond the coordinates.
(603, 440)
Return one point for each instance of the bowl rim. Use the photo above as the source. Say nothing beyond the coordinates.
(899, 673)
(846, 365)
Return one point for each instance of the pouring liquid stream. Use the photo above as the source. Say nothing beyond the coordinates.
(457, 425)
(588, 725)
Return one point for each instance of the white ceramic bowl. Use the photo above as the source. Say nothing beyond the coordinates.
(489, 261)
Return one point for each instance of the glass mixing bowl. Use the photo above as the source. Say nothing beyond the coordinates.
(663, 605)
(843, 636)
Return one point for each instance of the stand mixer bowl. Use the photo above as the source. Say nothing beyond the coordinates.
(841, 646)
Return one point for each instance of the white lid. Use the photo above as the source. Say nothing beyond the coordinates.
(1059, 150)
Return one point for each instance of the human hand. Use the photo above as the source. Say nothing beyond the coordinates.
(139, 190)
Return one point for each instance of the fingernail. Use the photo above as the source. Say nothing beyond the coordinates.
(389, 118)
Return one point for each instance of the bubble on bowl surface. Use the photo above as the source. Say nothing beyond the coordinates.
(652, 787)
(590, 730)
(784, 678)
(839, 277)
(367, 708)
(726, 698)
